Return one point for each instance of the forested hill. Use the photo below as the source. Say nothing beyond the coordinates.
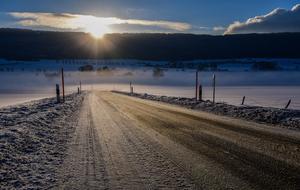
(28, 44)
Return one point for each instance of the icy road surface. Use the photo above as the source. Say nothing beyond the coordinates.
(102, 140)
(125, 143)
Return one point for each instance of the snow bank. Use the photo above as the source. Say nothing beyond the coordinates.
(33, 138)
(281, 117)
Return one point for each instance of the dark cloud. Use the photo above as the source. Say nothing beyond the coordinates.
(279, 20)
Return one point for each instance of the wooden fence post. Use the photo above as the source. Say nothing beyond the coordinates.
(214, 88)
(243, 101)
(130, 85)
(200, 92)
(131, 90)
(196, 87)
(80, 86)
(63, 83)
(57, 93)
(288, 104)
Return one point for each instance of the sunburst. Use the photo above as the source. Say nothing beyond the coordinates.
(96, 30)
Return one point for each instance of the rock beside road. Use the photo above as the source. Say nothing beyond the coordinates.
(280, 117)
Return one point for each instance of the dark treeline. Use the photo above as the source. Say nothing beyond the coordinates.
(30, 45)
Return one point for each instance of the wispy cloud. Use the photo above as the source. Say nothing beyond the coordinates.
(79, 22)
(279, 20)
(219, 29)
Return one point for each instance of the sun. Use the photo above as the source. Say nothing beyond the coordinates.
(96, 27)
(96, 30)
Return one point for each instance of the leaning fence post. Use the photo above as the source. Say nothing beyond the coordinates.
(57, 93)
(78, 90)
(243, 101)
(200, 92)
(288, 104)
(214, 88)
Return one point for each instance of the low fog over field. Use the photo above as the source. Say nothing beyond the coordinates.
(24, 81)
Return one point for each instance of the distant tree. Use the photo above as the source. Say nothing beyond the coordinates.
(85, 68)
(213, 66)
(105, 70)
(129, 73)
(158, 72)
(265, 66)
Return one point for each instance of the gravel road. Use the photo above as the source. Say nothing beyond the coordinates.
(122, 142)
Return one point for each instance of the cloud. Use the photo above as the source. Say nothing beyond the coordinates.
(53, 20)
(79, 22)
(179, 26)
(219, 28)
(279, 20)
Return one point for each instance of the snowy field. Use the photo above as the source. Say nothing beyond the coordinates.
(24, 81)
(34, 139)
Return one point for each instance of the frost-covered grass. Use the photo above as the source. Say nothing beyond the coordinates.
(33, 138)
(280, 117)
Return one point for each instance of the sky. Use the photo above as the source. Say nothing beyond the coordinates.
(173, 16)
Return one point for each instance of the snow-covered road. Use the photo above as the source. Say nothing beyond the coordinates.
(127, 143)
(113, 141)
(109, 150)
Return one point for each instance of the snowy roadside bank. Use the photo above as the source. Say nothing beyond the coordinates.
(33, 140)
(281, 117)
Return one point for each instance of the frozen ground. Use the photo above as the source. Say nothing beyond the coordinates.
(33, 140)
(113, 141)
(14, 99)
(263, 96)
(123, 142)
(283, 117)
